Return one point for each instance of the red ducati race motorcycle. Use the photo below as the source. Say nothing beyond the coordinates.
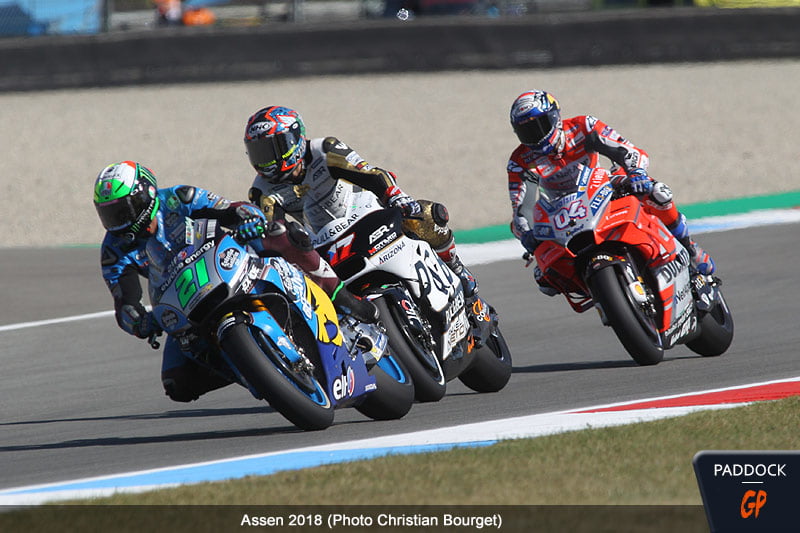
(601, 249)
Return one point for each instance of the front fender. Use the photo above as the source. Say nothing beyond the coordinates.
(264, 321)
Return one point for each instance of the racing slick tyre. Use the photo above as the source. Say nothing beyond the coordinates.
(492, 367)
(394, 395)
(298, 395)
(716, 331)
(637, 331)
(430, 383)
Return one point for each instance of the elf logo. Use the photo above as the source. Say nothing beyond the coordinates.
(343, 386)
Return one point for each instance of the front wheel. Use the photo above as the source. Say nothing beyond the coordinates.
(424, 367)
(716, 331)
(395, 393)
(297, 395)
(492, 367)
(636, 331)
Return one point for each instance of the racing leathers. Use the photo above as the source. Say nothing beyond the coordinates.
(124, 260)
(584, 139)
(333, 174)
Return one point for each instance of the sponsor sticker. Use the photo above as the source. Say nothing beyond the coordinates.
(229, 258)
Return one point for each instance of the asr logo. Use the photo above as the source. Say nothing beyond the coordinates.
(752, 502)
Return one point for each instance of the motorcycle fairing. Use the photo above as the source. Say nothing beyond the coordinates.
(376, 246)
(625, 221)
(347, 376)
(561, 216)
(197, 273)
(387, 249)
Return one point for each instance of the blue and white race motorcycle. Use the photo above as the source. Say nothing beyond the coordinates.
(262, 323)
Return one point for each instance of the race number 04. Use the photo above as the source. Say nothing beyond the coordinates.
(190, 280)
(575, 210)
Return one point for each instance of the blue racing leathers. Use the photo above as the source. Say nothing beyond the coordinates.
(123, 260)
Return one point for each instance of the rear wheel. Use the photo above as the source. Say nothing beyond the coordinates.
(426, 372)
(297, 394)
(395, 393)
(637, 331)
(716, 331)
(492, 367)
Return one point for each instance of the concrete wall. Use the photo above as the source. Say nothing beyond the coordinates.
(268, 52)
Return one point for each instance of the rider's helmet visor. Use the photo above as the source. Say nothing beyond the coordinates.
(269, 154)
(120, 215)
(536, 130)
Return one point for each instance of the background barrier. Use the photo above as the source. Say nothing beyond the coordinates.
(177, 55)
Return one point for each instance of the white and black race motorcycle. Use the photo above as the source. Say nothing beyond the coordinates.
(437, 333)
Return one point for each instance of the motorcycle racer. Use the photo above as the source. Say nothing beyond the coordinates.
(134, 210)
(550, 150)
(312, 179)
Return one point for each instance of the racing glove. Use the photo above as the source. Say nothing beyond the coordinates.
(395, 197)
(137, 322)
(639, 182)
(251, 230)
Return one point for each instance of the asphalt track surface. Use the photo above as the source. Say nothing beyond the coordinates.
(82, 399)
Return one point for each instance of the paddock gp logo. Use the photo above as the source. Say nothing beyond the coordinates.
(749, 490)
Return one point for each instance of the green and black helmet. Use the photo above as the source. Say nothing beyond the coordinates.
(125, 198)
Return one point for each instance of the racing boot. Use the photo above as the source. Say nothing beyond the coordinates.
(701, 261)
(447, 253)
(348, 303)
(468, 281)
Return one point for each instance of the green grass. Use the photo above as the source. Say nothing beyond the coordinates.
(637, 477)
(640, 464)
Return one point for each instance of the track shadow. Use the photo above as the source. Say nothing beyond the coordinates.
(595, 365)
(153, 439)
(189, 413)
(569, 367)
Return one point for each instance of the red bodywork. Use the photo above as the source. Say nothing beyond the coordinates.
(625, 221)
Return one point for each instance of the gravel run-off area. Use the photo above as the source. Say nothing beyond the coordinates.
(713, 131)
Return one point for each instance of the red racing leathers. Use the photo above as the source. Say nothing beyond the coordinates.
(584, 139)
